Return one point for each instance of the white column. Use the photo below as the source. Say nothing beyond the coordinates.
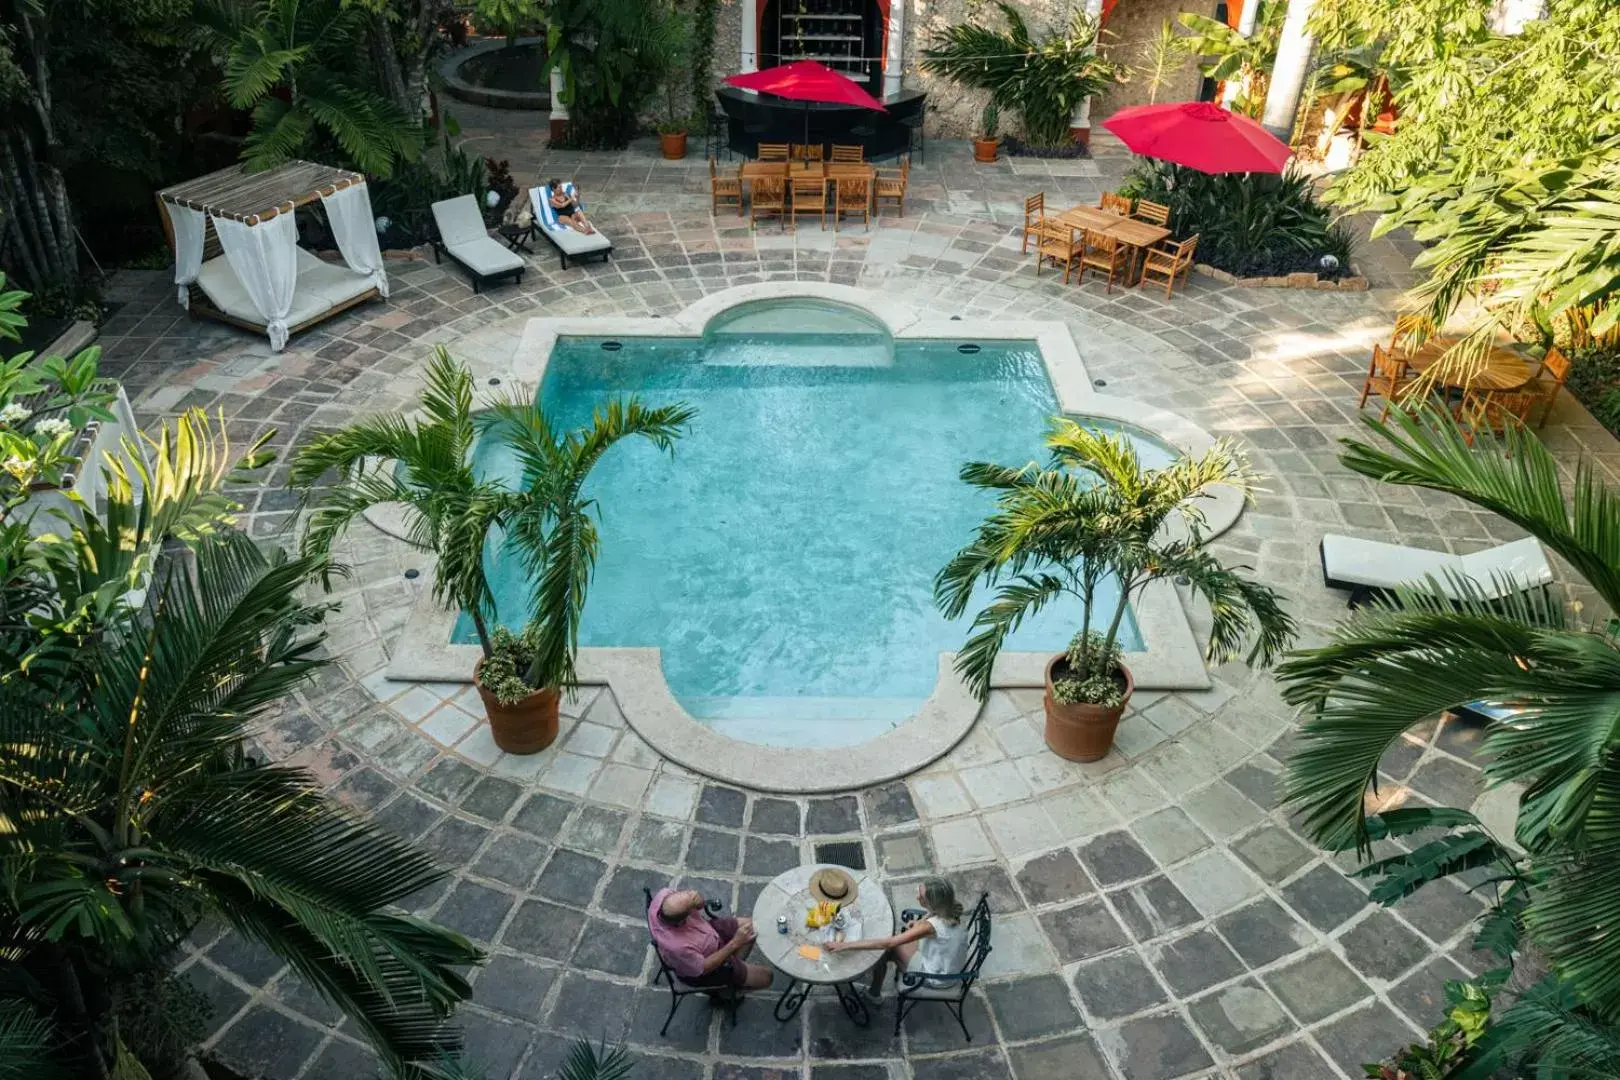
(894, 67)
(559, 111)
(750, 35)
(1080, 119)
(1248, 14)
(1509, 16)
(1289, 71)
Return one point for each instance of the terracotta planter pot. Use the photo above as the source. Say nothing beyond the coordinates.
(525, 727)
(984, 150)
(674, 145)
(1082, 732)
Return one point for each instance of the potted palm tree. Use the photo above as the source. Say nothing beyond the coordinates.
(989, 140)
(1093, 520)
(425, 463)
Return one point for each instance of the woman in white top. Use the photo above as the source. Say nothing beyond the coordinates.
(932, 945)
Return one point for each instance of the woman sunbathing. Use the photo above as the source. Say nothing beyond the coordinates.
(567, 209)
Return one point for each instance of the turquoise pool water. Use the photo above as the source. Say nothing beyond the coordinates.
(783, 559)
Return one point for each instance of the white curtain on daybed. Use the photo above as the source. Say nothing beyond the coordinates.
(349, 212)
(264, 258)
(189, 226)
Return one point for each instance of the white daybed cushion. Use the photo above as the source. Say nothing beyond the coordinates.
(571, 241)
(1384, 566)
(464, 236)
(321, 287)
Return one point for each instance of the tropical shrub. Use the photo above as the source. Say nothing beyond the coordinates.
(1556, 674)
(426, 464)
(1095, 515)
(142, 646)
(1043, 81)
(1247, 224)
(613, 55)
(1594, 377)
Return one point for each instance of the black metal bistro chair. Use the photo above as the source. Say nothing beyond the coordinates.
(951, 990)
(725, 997)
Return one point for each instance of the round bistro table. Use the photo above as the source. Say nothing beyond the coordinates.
(870, 916)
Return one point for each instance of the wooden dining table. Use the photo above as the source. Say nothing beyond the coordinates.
(1503, 368)
(1139, 235)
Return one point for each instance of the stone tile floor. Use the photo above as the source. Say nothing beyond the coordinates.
(1156, 915)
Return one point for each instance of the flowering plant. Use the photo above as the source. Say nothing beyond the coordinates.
(44, 404)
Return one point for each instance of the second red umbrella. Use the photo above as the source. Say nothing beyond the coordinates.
(1199, 135)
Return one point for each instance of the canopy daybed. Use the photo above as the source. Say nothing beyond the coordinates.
(236, 253)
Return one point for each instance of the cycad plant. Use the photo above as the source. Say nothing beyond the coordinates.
(1094, 515)
(1043, 81)
(300, 66)
(129, 808)
(426, 464)
(1555, 677)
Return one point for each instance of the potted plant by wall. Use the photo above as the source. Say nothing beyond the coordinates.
(674, 52)
(1091, 522)
(672, 138)
(989, 140)
(425, 463)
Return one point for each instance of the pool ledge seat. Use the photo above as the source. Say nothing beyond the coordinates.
(1368, 566)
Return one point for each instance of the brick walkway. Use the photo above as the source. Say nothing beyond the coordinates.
(1155, 915)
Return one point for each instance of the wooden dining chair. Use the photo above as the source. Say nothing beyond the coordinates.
(808, 151)
(1157, 213)
(1388, 377)
(1168, 262)
(1104, 254)
(848, 154)
(724, 189)
(1061, 244)
(1549, 379)
(809, 196)
(772, 152)
(1115, 204)
(1410, 331)
(892, 186)
(852, 194)
(767, 195)
(1034, 218)
(1494, 411)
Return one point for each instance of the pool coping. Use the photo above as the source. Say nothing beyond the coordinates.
(1170, 660)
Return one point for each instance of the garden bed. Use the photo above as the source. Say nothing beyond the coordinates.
(1339, 281)
(1013, 146)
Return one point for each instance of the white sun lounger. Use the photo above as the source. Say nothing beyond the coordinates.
(1367, 566)
(570, 243)
(464, 237)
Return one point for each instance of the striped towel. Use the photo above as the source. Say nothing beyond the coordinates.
(548, 215)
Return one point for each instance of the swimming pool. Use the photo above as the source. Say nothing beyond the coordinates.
(783, 559)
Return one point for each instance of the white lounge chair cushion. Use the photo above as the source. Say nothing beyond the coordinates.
(571, 241)
(465, 237)
(321, 287)
(1521, 564)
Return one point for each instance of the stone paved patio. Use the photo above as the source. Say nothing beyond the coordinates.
(1155, 915)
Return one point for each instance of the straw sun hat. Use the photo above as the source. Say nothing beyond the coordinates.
(833, 885)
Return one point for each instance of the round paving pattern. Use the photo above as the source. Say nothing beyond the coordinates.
(1155, 916)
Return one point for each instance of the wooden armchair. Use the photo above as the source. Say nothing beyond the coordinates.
(809, 196)
(1104, 254)
(773, 152)
(1410, 331)
(1168, 262)
(1115, 204)
(853, 155)
(1157, 213)
(1059, 243)
(807, 151)
(1387, 377)
(892, 186)
(1034, 218)
(724, 189)
(852, 194)
(1494, 411)
(1549, 379)
(767, 195)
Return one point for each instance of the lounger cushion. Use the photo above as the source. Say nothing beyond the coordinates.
(466, 238)
(571, 241)
(1349, 561)
(321, 287)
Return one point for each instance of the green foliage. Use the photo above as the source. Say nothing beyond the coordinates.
(990, 120)
(1095, 515)
(161, 1018)
(1390, 667)
(705, 14)
(613, 55)
(299, 66)
(1468, 1011)
(1043, 81)
(1248, 224)
(1229, 56)
(406, 198)
(511, 16)
(510, 657)
(1594, 377)
(587, 1062)
(128, 806)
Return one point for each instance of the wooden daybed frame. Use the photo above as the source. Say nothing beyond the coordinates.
(251, 198)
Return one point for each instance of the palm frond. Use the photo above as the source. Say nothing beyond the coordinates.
(587, 1062)
(27, 1044)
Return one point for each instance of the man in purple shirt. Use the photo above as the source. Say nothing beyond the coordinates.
(703, 951)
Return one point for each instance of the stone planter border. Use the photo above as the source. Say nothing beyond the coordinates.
(1353, 283)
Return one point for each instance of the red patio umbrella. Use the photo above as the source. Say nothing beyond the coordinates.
(806, 80)
(1199, 135)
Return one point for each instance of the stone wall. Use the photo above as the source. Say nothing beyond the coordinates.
(953, 112)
